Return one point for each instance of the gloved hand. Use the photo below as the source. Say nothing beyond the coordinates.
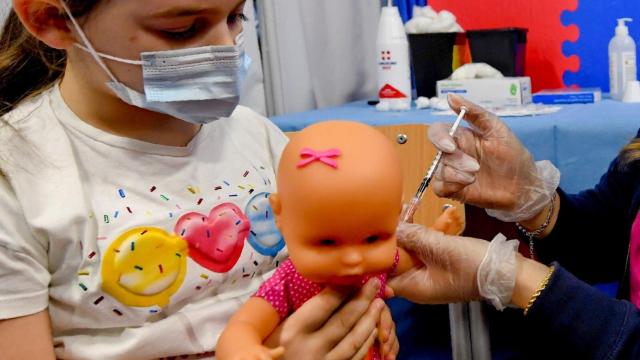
(487, 166)
(456, 268)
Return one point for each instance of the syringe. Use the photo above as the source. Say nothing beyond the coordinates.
(415, 201)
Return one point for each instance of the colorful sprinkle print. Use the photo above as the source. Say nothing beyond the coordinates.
(225, 189)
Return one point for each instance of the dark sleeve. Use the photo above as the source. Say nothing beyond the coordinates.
(594, 226)
(586, 320)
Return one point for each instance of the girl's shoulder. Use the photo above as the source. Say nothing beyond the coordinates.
(30, 109)
(24, 130)
(29, 124)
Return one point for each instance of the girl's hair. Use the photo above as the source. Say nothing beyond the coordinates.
(631, 152)
(27, 65)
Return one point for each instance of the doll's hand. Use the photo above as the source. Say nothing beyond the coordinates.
(449, 222)
(257, 352)
(387, 337)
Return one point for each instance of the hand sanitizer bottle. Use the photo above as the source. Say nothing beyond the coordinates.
(622, 60)
(394, 70)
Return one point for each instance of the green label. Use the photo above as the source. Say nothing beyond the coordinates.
(514, 89)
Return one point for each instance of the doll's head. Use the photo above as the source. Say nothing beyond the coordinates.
(338, 201)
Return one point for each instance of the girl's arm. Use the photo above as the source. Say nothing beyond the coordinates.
(27, 337)
(247, 329)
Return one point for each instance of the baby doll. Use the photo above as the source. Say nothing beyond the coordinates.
(338, 204)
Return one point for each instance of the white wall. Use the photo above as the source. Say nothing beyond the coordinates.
(253, 88)
(5, 7)
(318, 53)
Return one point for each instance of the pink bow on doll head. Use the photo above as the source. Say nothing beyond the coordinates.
(326, 157)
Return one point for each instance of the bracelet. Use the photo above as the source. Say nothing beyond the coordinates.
(542, 286)
(534, 234)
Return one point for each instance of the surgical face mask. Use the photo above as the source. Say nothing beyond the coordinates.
(197, 85)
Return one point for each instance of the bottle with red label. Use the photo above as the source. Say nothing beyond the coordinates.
(394, 72)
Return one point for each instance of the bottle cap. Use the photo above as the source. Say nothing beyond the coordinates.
(622, 28)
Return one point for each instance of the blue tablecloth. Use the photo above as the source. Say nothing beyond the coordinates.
(581, 140)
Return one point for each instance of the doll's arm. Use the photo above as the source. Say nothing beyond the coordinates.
(406, 262)
(449, 222)
(246, 330)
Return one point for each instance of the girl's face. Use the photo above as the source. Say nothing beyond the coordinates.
(125, 28)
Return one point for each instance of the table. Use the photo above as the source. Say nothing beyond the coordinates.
(581, 140)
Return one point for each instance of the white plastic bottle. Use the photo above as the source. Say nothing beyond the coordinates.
(622, 60)
(394, 71)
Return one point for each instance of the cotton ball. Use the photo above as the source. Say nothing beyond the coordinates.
(452, 28)
(419, 25)
(401, 106)
(439, 103)
(383, 106)
(411, 27)
(445, 21)
(464, 72)
(488, 71)
(428, 12)
(476, 70)
(422, 102)
(417, 11)
(439, 26)
(429, 26)
(446, 16)
(427, 20)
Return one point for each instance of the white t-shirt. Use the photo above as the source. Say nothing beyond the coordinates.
(139, 250)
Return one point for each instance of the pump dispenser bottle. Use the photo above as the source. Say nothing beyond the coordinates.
(622, 60)
(394, 71)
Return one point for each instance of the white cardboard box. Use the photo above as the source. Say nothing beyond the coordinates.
(508, 91)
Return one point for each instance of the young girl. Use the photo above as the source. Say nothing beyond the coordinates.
(129, 187)
(338, 204)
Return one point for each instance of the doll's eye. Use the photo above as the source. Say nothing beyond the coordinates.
(327, 242)
(372, 239)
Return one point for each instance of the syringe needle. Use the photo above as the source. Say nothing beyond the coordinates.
(415, 201)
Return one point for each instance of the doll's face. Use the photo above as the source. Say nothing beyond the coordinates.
(339, 222)
(340, 246)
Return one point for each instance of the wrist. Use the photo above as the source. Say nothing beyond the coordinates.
(532, 193)
(549, 211)
(496, 274)
(529, 276)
